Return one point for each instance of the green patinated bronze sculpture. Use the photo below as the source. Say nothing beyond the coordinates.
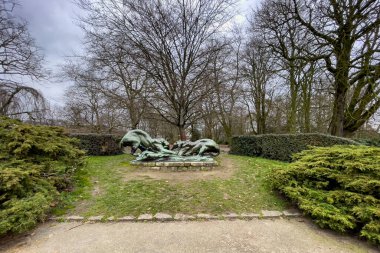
(158, 149)
(139, 139)
(200, 147)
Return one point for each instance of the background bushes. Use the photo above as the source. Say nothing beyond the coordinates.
(36, 163)
(99, 144)
(282, 146)
(339, 187)
(374, 142)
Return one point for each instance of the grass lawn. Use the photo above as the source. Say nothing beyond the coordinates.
(103, 190)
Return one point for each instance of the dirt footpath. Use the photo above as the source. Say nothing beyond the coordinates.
(280, 235)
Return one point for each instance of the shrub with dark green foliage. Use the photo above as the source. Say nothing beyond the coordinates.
(282, 146)
(99, 144)
(36, 162)
(374, 142)
(339, 187)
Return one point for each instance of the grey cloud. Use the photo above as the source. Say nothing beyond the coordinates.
(51, 24)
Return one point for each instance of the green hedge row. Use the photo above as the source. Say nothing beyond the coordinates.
(99, 144)
(282, 146)
(373, 142)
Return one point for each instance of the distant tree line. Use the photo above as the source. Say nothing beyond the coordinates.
(184, 68)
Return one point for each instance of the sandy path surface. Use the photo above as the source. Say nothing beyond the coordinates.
(279, 235)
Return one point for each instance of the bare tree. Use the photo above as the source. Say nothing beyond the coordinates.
(258, 72)
(108, 68)
(225, 79)
(86, 109)
(171, 41)
(286, 38)
(347, 31)
(123, 81)
(321, 104)
(19, 57)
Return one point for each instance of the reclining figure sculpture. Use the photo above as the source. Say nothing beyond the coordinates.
(158, 149)
(139, 139)
(200, 147)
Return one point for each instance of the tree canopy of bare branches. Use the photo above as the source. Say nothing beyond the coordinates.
(300, 66)
(347, 35)
(170, 40)
(19, 57)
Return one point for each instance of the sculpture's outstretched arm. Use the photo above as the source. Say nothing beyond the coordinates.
(202, 150)
(163, 150)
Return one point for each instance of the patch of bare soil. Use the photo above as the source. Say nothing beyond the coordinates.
(225, 170)
(84, 205)
(97, 190)
(80, 207)
(224, 148)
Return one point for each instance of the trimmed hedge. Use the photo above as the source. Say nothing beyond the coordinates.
(99, 144)
(282, 146)
(373, 142)
(339, 187)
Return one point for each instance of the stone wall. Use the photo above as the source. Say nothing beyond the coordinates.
(178, 166)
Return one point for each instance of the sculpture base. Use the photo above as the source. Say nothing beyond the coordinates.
(177, 166)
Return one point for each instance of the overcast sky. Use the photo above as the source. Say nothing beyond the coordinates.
(52, 24)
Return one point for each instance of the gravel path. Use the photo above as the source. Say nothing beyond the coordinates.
(278, 235)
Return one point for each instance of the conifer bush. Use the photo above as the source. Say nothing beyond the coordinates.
(339, 187)
(36, 163)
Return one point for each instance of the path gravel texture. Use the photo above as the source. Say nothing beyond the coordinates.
(279, 235)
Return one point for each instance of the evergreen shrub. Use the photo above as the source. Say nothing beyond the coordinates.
(99, 144)
(374, 142)
(339, 187)
(282, 146)
(36, 163)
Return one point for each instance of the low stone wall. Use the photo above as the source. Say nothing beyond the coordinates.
(177, 166)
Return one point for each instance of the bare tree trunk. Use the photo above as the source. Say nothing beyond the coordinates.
(341, 89)
(337, 121)
(260, 112)
(308, 79)
(228, 132)
(182, 133)
(292, 118)
(306, 114)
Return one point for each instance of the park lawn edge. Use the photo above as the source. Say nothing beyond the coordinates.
(248, 190)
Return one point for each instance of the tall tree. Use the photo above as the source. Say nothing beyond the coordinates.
(225, 79)
(258, 70)
(87, 109)
(19, 57)
(347, 32)
(171, 41)
(108, 64)
(286, 38)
